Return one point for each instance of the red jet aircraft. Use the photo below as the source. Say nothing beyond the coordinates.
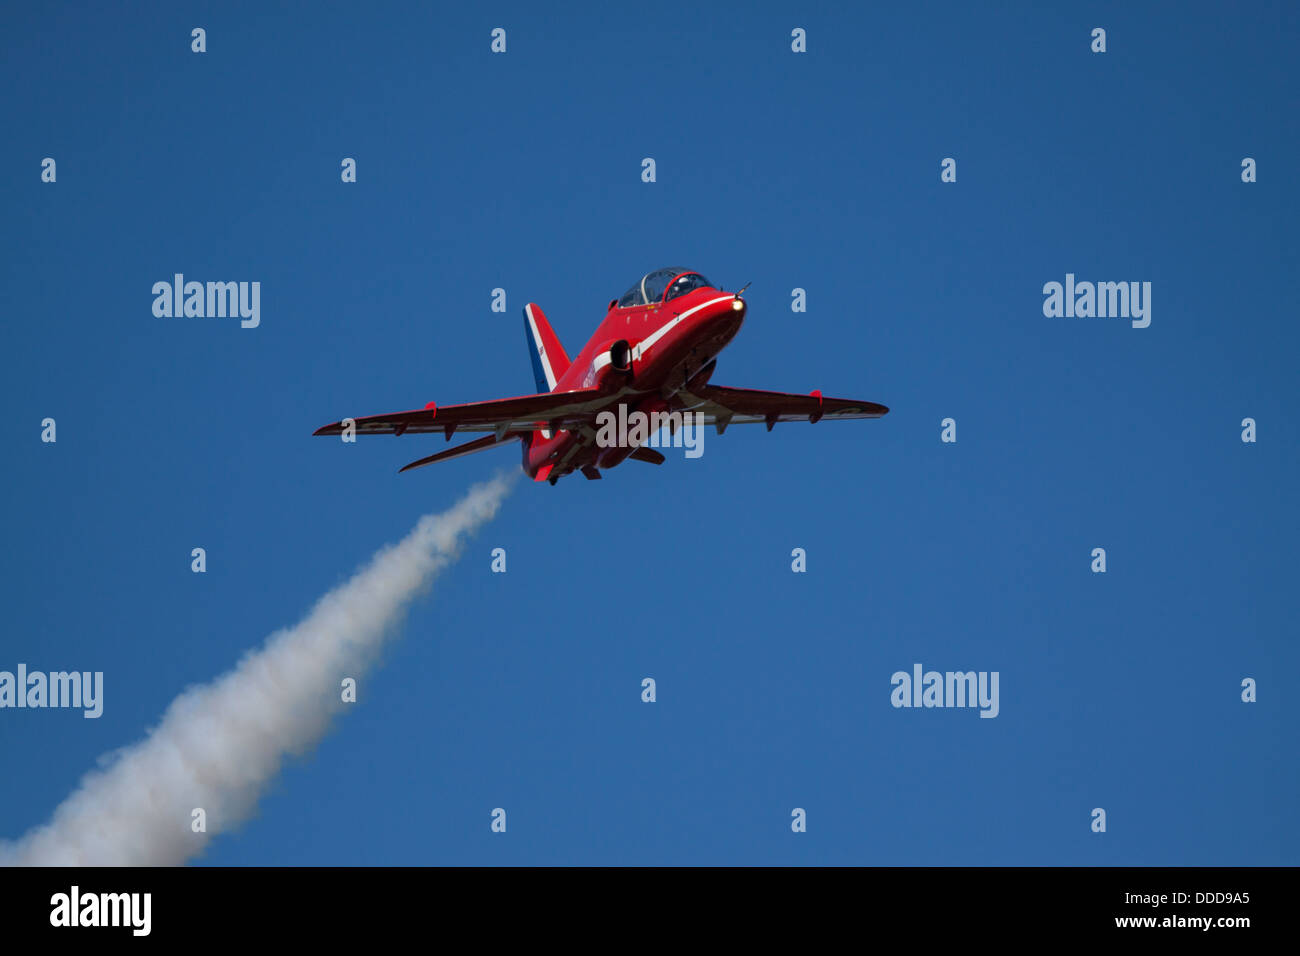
(654, 353)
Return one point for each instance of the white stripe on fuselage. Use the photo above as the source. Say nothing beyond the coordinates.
(602, 359)
(648, 342)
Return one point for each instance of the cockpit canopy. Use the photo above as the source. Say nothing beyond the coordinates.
(653, 284)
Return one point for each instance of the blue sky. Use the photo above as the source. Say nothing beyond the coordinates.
(819, 171)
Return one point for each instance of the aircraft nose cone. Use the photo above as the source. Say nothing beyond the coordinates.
(728, 316)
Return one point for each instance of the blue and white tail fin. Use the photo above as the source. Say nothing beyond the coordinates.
(544, 348)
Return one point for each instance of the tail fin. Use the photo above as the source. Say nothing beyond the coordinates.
(549, 360)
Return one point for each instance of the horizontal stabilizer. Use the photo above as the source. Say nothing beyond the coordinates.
(469, 448)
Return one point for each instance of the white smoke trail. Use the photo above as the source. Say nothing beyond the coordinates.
(220, 743)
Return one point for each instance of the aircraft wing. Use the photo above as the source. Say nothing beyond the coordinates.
(504, 416)
(722, 406)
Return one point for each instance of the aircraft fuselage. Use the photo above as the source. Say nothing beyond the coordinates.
(642, 355)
